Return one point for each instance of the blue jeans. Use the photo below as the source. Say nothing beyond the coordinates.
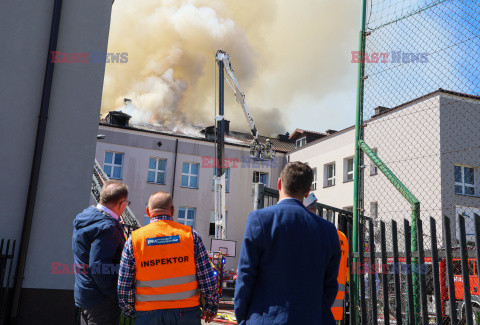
(176, 316)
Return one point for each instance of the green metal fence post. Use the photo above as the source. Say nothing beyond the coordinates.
(415, 204)
(415, 268)
(358, 136)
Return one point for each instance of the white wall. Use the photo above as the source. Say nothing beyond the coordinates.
(65, 173)
(332, 149)
(139, 146)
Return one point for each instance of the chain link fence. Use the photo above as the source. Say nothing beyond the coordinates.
(421, 116)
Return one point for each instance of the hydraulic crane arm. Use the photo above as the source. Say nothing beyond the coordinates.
(239, 95)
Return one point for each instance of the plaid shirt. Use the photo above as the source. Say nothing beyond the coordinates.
(207, 281)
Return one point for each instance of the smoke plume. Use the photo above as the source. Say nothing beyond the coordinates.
(171, 45)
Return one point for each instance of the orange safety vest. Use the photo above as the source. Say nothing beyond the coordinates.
(165, 270)
(337, 308)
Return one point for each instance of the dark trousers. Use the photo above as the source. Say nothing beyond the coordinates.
(105, 313)
(176, 316)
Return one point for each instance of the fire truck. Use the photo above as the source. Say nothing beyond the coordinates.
(459, 293)
(444, 295)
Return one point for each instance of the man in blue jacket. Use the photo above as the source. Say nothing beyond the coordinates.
(97, 242)
(288, 266)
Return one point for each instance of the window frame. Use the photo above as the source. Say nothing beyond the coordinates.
(259, 177)
(463, 184)
(301, 142)
(227, 180)
(346, 172)
(326, 177)
(113, 165)
(156, 171)
(179, 220)
(190, 175)
(315, 179)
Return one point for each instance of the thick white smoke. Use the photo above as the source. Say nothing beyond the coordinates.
(282, 51)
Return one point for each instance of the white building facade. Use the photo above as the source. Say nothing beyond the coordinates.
(149, 161)
(431, 144)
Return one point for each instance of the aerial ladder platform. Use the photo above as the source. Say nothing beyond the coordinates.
(258, 151)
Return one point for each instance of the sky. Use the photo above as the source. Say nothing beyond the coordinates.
(292, 60)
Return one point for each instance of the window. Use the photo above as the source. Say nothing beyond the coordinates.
(211, 230)
(457, 267)
(348, 168)
(373, 167)
(190, 175)
(374, 210)
(227, 180)
(301, 142)
(464, 180)
(157, 170)
(314, 183)
(186, 216)
(259, 177)
(112, 164)
(329, 175)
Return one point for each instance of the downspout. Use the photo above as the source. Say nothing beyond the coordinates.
(174, 167)
(37, 160)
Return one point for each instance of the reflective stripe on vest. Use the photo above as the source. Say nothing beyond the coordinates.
(338, 303)
(166, 282)
(167, 296)
(337, 307)
(165, 270)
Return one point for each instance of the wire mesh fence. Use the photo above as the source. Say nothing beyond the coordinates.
(421, 116)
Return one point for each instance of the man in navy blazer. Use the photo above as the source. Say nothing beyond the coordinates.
(288, 266)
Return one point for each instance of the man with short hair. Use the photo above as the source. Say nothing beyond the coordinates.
(97, 244)
(164, 267)
(288, 265)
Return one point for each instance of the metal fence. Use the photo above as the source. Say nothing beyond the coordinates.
(7, 255)
(386, 267)
(418, 117)
(265, 196)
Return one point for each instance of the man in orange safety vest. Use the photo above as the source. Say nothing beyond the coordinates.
(337, 308)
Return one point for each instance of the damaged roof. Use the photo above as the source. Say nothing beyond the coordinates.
(281, 143)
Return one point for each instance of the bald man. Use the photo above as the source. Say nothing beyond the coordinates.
(164, 270)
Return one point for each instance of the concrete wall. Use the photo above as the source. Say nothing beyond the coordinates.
(335, 148)
(460, 145)
(408, 142)
(65, 173)
(139, 146)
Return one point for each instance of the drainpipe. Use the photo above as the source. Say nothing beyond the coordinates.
(37, 160)
(174, 167)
